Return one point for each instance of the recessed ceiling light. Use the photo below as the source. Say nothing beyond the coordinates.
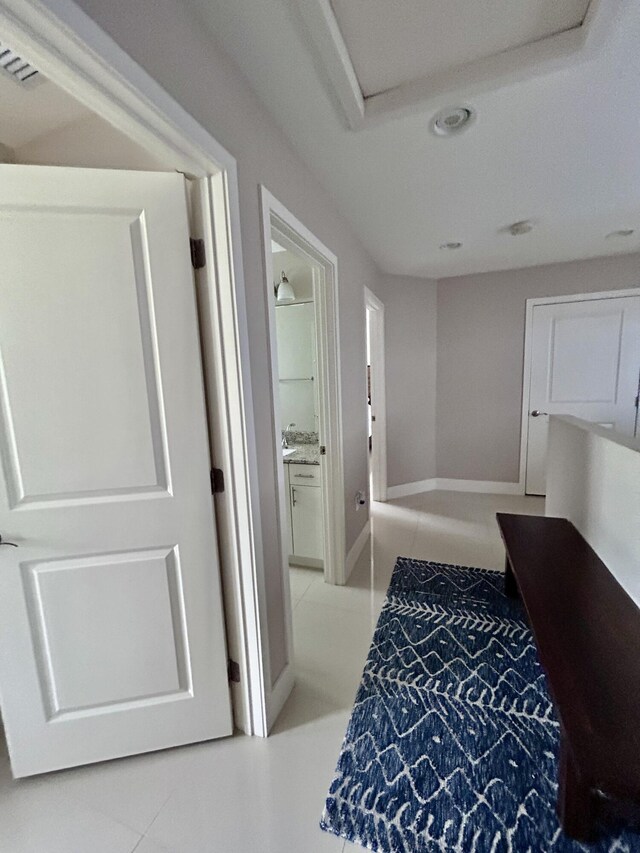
(452, 120)
(623, 232)
(452, 245)
(519, 228)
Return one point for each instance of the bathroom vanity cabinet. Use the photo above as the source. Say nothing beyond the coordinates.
(304, 510)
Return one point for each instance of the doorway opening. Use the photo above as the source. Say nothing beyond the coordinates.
(298, 400)
(376, 402)
(301, 301)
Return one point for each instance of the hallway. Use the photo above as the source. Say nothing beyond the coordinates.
(242, 795)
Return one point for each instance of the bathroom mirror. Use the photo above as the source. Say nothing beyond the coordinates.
(295, 324)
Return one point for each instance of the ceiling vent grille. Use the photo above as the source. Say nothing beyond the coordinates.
(18, 68)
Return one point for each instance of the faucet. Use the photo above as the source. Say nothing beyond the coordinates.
(285, 437)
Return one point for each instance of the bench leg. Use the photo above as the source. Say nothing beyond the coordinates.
(510, 585)
(576, 800)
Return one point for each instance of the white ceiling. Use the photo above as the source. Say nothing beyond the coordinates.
(561, 148)
(28, 112)
(423, 37)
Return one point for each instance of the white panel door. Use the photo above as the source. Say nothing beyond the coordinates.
(111, 623)
(585, 361)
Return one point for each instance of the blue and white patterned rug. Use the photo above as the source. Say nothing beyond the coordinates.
(453, 740)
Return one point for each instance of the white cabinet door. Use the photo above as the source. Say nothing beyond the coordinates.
(585, 362)
(306, 514)
(111, 625)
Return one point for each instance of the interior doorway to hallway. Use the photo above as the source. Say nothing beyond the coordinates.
(376, 404)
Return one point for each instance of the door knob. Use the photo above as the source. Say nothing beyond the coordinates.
(536, 413)
(2, 542)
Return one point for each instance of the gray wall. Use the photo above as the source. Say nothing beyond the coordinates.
(91, 142)
(209, 86)
(410, 352)
(480, 358)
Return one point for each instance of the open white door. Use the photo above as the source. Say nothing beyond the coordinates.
(585, 360)
(111, 623)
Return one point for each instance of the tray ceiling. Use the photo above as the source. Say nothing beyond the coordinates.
(555, 140)
(419, 38)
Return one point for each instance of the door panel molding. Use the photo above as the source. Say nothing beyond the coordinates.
(49, 584)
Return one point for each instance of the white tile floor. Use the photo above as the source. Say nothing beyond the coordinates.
(247, 795)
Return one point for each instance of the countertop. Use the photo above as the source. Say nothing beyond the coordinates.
(305, 454)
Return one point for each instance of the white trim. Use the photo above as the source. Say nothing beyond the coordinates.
(487, 487)
(405, 489)
(519, 64)
(357, 548)
(378, 396)
(325, 283)
(528, 350)
(323, 29)
(281, 690)
(81, 58)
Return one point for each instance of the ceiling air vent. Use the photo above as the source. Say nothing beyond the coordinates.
(17, 67)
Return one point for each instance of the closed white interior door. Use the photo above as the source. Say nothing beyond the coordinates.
(585, 362)
(111, 623)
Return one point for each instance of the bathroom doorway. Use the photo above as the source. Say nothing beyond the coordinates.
(301, 290)
(304, 359)
(296, 343)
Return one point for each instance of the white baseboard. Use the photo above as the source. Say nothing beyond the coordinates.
(407, 489)
(279, 694)
(489, 487)
(356, 549)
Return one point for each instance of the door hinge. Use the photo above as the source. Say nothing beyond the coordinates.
(217, 481)
(198, 253)
(233, 671)
(323, 450)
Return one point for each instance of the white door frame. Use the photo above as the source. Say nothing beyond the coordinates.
(375, 307)
(82, 59)
(325, 287)
(528, 351)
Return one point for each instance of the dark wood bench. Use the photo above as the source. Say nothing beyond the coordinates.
(587, 630)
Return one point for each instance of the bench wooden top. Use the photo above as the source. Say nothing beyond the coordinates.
(587, 630)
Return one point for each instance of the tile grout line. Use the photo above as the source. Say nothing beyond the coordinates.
(92, 807)
(157, 814)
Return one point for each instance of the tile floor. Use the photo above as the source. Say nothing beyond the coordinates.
(247, 795)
